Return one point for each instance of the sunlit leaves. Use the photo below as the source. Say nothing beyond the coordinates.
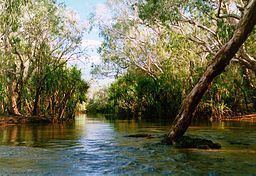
(38, 38)
(166, 46)
(224, 30)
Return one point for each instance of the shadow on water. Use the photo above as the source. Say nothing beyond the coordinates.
(95, 145)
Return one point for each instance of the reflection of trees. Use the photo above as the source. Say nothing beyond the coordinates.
(125, 125)
(40, 135)
(130, 126)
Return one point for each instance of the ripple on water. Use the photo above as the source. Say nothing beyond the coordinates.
(98, 147)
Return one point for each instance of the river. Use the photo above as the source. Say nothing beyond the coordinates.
(96, 146)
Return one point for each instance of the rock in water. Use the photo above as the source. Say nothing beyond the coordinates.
(140, 136)
(189, 142)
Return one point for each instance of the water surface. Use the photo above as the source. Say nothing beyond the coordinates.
(96, 146)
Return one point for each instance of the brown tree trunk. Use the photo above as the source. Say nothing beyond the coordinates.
(20, 98)
(220, 61)
(36, 109)
(62, 109)
(14, 108)
(2, 107)
(64, 104)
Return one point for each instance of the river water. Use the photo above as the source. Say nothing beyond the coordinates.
(96, 146)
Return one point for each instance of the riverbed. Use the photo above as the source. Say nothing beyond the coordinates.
(93, 145)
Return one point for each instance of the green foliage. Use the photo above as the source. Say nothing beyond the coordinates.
(161, 51)
(100, 103)
(224, 30)
(136, 94)
(38, 38)
(154, 10)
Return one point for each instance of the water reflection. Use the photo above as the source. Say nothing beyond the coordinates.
(38, 135)
(94, 145)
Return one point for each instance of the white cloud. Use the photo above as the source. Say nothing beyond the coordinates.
(101, 9)
(95, 59)
(92, 44)
(86, 23)
(103, 13)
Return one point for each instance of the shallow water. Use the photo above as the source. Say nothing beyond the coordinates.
(96, 146)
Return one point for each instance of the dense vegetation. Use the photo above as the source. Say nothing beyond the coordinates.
(38, 38)
(158, 50)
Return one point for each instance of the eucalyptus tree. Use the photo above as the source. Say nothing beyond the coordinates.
(221, 58)
(152, 49)
(208, 24)
(220, 62)
(129, 42)
(38, 38)
(10, 12)
(173, 42)
(59, 42)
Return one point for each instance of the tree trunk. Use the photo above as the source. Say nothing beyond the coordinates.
(62, 110)
(64, 104)
(36, 108)
(20, 98)
(220, 61)
(2, 107)
(13, 100)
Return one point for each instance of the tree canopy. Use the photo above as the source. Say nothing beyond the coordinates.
(38, 38)
(171, 43)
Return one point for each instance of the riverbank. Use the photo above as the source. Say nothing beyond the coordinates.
(15, 120)
(247, 118)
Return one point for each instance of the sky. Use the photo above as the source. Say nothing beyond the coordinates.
(91, 40)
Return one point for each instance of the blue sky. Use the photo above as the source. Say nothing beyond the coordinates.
(84, 9)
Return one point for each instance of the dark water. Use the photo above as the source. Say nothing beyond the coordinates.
(95, 146)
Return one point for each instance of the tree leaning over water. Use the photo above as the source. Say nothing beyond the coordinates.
(220, 61)
(158, 50)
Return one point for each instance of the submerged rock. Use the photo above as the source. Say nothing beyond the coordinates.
(238, 143)
(140, 136)
(191, 142)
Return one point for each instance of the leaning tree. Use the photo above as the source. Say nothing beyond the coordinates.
(219, 62)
